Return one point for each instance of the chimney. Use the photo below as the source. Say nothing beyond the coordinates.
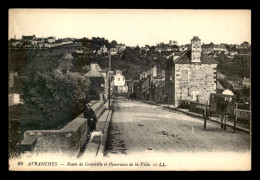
(195, 49)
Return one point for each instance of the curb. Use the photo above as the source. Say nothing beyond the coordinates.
(101, 147)
(198, 116)
(228, 125)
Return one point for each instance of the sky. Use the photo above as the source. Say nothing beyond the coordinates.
(134, 27)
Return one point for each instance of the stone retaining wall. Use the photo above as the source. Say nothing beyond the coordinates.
(67, 140)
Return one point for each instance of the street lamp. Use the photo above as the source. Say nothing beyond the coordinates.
(109, 69)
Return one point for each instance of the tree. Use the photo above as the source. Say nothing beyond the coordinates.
(152, 48)
(50, 97)
(53, 98)
(137, 48)
(113, 43)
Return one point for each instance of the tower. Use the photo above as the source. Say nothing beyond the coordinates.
(195, 49)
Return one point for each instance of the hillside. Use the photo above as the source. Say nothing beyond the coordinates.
(236, 68)
(133, 63)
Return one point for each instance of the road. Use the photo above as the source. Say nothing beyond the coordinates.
(140, 127)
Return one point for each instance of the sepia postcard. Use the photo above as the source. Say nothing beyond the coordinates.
(129, 90)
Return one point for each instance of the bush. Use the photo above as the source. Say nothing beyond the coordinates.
(53, 98)
(184, 104)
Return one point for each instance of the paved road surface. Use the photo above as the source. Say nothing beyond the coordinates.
(139, 127)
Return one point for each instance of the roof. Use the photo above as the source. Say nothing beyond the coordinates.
(219, 86)
(93, 73)
(186, 59)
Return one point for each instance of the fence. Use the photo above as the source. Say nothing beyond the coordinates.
(241, 116)
(197, 107)
(244, 117)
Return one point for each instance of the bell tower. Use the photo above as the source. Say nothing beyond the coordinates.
(195, 49)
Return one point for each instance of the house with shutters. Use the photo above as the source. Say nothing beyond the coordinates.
(190, 75)
(119, 84)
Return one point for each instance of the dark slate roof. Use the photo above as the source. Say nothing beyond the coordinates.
(186, 59)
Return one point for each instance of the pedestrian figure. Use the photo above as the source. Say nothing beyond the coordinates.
(91, 118)
(223, 121)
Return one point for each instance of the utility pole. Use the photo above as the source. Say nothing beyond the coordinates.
(109, 86)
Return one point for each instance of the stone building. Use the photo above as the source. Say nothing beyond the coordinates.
(190, 76)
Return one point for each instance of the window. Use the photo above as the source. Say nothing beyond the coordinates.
(184, 75)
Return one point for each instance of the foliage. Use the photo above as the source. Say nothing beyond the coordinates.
(13, 138)
(50, 97)
(53, 98)
(239, 67)
(184, 104)
(113, 44)
(243, 95)
(80, 62)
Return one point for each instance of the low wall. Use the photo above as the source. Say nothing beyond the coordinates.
(67, 140)
(197, 107)
(243, 115)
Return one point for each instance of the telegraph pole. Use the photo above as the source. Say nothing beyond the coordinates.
(109, 86)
